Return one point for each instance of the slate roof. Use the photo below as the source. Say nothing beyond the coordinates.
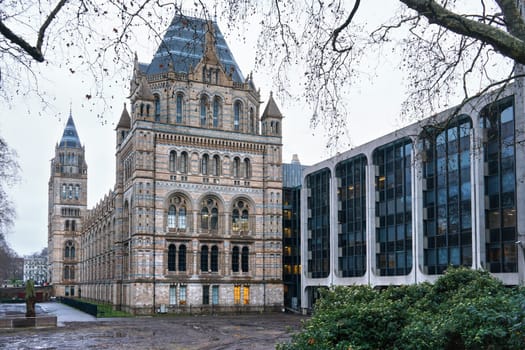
(70, 136)
(271, 109)
(125, 120)
(183, 46)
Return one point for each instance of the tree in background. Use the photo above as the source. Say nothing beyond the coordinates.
(8, 176)
(11, 265)
(9, 260)
(447, 46)
(463, 309)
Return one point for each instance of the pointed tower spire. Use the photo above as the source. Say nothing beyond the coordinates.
(70, 136)
(271, 118)
(271, 110)
(125, 120)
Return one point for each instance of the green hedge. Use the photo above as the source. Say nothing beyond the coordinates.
(464, 309)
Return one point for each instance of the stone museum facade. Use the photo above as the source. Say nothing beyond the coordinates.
(194, 221)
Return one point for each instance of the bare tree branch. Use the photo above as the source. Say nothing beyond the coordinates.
(33, 51)
(505, 43)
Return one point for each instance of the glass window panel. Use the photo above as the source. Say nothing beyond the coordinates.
(509, 217)
(507, 114)
(455, 256)
(465, 159)
(400, 257)
(492, 184)
(466, 255)
(442, 256)
(507, 182)
(466, 220)
(494, 219)
(465, 190)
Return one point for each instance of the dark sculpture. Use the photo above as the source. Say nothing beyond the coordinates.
(30, 298)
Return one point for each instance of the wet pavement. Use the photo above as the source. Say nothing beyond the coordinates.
(63, 312)
(79, 330)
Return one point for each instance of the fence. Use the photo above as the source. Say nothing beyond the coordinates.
(80, 305)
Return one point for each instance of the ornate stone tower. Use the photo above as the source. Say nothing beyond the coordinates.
(67, 207)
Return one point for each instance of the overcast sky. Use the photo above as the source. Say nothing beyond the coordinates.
(375, 106)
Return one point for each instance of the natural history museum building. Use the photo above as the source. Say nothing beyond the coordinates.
(194, 219)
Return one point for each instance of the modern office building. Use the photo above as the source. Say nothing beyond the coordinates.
(194, 221)
(292, 176)
(449, 190)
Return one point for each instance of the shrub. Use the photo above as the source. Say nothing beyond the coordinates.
(464, 309)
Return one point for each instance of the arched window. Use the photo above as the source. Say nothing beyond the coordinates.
(173, 161)
(147, 110)
(66, 225)
(209, 215)
(141, 109)
(172, 217)
(252, 121)
(214, 259)
(247, 168)
(182, 257)
(73, 225)
(69, 250)
(244, 259)
(157, 107)
(179, 108)
(204, 109)
(171, 257)
(216, 166)
(69, 272)
(235, 259)
(204, 164)
(77, 191)
(177, 219)
(183, 162)
(236, 167)
(240, 216)
(237, 111)
(204, 258)
(217, 109)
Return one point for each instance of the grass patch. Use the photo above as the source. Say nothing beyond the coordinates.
(104, 310)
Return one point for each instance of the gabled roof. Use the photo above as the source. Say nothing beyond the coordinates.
(125, 120)
(183, 47)
(271, 109)
(70, 136)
